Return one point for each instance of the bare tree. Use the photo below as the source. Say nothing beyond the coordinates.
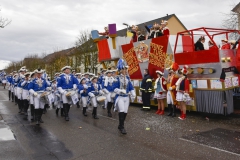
(86, 52)
(231, 20)
(4, 21)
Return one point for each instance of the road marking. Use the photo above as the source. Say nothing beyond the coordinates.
(218, 149)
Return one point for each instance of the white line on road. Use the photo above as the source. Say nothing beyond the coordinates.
(209, 146)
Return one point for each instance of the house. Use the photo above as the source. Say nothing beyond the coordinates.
(236, 10)
(174, 25)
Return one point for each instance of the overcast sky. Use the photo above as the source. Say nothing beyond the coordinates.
(44, 26)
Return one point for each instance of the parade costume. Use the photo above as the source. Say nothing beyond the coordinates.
(146, 89)
(66, 83)
(93, 91)
(19, 90)
(225, 44)
(9, 82)
(124, 89)
(25, 94)
(171, 89)
(165, 29)
(37, 88)
(108, 89)
(160, 91)
(182, 88)
(83, 91)
(31, 101)
(106, 33)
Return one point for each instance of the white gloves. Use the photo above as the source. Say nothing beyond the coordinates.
(123, 91)
(101, 92)
(81, 91)
(91, 95)
(133, 94)
(105, 90)
(186, 94)
(49, 88)
(35, 94)
(170, 88)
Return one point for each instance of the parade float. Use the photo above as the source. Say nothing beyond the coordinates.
(213, 73)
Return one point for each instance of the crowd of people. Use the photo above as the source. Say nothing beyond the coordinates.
(174, 89)
(225, 44)
(109, 90)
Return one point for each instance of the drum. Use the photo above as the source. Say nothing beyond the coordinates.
(70, 93)
(44, 94)
(113, 95)
(101, 100)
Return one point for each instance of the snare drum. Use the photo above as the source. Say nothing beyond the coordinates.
(101, 100)
(70, 93)
(113, 95)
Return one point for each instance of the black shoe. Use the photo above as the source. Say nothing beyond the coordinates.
(84, 111)
(38, 123)
(67, 118)
(109, 114)
(174, 115)
(57, 111)
(95, 116)
(123, 131)
(169, 110)
(41, 121)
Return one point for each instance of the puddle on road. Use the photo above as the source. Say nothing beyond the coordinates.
(6, 134)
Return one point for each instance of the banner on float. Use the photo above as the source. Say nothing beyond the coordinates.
(130, 57)
(157, 55)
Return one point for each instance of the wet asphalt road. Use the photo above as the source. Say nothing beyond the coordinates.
(165, 137)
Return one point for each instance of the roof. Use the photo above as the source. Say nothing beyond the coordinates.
(236, 8)
(141, 25)
(51, 56)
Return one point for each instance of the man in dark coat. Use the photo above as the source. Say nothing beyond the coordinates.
(146, 89)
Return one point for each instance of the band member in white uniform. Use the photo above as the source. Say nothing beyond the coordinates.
(67, 82)
(20, 78)
(37, 88)
(83, 91)
(124, 88)
(108, 89)
(25, 94)
(78, 76)
(32, 77)
(93, 91)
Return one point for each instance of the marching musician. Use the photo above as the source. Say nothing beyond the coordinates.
(31, 97)
(25, 93)
(182, 88)
(37, 88)
(108, 89)
(160, 92)
(171, 89)
(14, 88)
(83, 91)
(19, 89)
(9, 82)
(67, 82)
(78, 76)
(93, 91)
(123, 88)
